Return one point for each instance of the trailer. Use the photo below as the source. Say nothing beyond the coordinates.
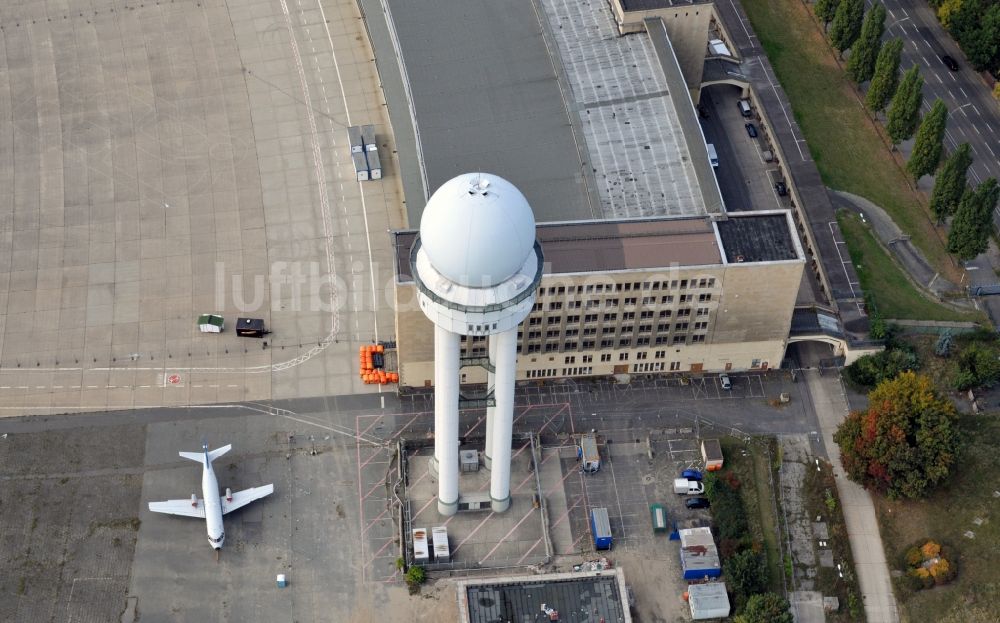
(711, 453)
(374, 165)
(442, 552)
(360, 165)
(368, 137)
(600, 527)
(355, 140)
(658, 515)
(421, 554)
(588, 454)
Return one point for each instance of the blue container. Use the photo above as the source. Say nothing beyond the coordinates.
(600, 527)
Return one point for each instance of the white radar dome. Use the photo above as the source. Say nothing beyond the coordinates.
(477, 229)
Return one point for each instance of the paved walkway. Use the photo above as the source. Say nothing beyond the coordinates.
(859, 512)
(893, 238)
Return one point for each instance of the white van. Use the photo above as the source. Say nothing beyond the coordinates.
(713, 156)
(744, 106)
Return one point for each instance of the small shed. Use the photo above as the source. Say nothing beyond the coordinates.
(708, 601)
(587, 452)
(711, 453)
(211, 323)
(251, 327)
(658, 515)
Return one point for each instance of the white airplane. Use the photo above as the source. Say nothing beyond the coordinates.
(214, 506)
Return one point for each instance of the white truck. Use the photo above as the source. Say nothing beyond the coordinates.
(684, 486)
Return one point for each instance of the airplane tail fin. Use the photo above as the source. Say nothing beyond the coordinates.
(212, 455)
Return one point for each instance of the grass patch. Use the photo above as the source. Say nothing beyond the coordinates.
(819, 491)
(842, 139)
(894, 294)
(752, 464)
(945, 516)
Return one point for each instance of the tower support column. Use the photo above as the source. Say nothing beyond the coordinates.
(503, 420)
(446, 358)
(491, 382)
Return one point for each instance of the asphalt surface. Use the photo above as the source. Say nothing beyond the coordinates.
(974, 117)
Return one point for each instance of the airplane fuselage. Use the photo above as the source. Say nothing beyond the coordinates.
(213, 506)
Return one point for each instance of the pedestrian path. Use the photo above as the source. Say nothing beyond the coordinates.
(859, 511)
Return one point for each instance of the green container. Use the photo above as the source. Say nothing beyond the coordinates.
(659, 516)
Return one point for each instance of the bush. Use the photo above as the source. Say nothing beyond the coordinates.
(415, 576)
(929, 564)
(765, 608)
(746, 575)
(727, 508)
(978, 366)
(870, 370)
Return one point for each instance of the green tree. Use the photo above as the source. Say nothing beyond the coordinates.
(765, 608)
(976, 27)
(861, 65)
(970, 229)
(927, 149)
(950, 183)
(825, 10)
(978, 366)
(847, 24)
(746, 575)
(883, 84)
(905, 443)
(904, 114)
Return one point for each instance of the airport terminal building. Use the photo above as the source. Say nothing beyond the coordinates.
(647, 268)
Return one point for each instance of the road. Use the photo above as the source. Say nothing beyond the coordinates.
(974, 117)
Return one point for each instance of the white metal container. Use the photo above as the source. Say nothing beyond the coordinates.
(442, 551)
(421, 553)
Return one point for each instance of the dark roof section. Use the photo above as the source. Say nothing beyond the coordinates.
(649, 5)
(599, 246)
(597, 597)
(757, 238)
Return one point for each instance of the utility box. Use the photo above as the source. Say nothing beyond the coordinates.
(374, 165)
(355, 140)
(658, 515)
(368, 137)
(711, 453)
(469, 460)
(600, 527)
(442, 552)
(360, 165)
(421, 552)
(590, 458)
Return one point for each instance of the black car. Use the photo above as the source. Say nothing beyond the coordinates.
(949, 62)
(781, 189)
(693, 503)
(751, 130)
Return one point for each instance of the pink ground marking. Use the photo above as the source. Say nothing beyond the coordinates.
(510, 532)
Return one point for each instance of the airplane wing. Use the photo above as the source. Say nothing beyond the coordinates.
(179, 507)
(244, 497)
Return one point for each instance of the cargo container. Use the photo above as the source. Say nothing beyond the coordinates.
(600, 527)
(442, 552)
(374, 166)
(368, 137)
(708, 601)
(355, 140)
(711, 453)
(587, 452)
(699, 556)
(420, 552)
(360, 166)
(659, 517)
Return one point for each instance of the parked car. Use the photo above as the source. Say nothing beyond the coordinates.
(949, 62)
(751, 129)
(725, 382)
(781, 189)
(691, 474)
(684, 486)
(694, 503)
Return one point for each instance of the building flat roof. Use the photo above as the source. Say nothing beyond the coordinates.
(756, 237)
(521, 599)
(600, 246)
(486, 96)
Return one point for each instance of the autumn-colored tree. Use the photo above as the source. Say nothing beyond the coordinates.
(905, 443)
